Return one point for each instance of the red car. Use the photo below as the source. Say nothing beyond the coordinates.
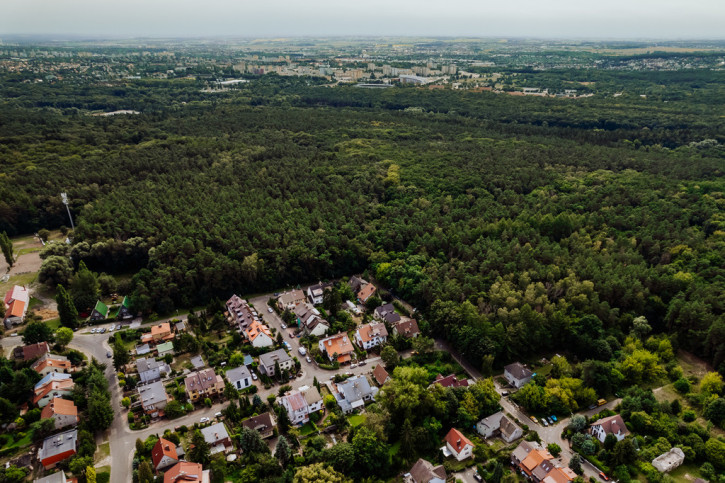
(603, 476)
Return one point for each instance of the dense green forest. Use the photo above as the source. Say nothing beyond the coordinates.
(504, 219)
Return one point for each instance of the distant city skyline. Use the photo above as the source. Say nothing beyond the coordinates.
(580, 19)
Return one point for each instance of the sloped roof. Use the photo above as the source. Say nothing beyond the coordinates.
(407, 328)
(269, 358)
(312, 395)
(59, 406)
(184, 471)
(165, 347)
(238, 373)
(380, 374)
(101, 308)
(337, 344)
(35, 350)
(126, 302)
(450, 381)
(58, 444)
(17, 293)
(262, 422)
(163, 447)
(215, 432)
(294, 400)
(256, 329)
(612, 425)
(16, 308)
(368, 332)
(366, 292)
(457, 440)
(518, 371)
(423, 471)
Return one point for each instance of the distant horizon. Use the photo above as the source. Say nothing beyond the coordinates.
(556, 19)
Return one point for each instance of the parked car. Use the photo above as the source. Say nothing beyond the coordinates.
(109, 354)
(543, 421)
(103, 330)
(93, 330)
(504, 393)
(269, 309)
(218, 415)
(302, 351)
(477, 477)
(284, 326)
(286, 344)
(254, 376)
(204, 420)
(603, 476)
(353, 366)
(308, 359)
(14, 334)
(533, 418)
(110, 329)
(362, 363)
(553, 417)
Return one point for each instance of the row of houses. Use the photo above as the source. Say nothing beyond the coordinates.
(246, 320)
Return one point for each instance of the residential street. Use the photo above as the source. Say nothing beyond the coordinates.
(122, 438)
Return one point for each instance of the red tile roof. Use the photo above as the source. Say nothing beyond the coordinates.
(456, 440)
(59, 406)
(184, 471)
(366, 292)
(163, 447)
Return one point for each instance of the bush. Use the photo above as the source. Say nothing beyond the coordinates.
(682, 385)
(688, 415)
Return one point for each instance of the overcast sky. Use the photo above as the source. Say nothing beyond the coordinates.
(665, 19)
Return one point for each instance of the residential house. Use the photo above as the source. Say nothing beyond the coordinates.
(290, 300)
(352, 307)
(380, 375)
(32, 351)
(365, 293)
(51, 363)
(180, 327)
(537, 464)
(159, 333)
(51, 389)
(315, 293)
(58, 477)
(63, 411)
(457, 445)
(386, 313)
(52, 376)
(499, 424)
(611, 425)
(57, 448)
(267, 362)
(203, 384)
(165, 348)
(124, 311)
(517, 374)
(218, 438)
(100, 311)
(151, 370)
(337, 347)
(312, 398)
(240, 377)
(153, 398)
(296, 406)
(407, 328)
(164, 454)
(371, 335)
(259, 335)
(356, 284)
(451, 381)
(239, 313)
(309, 320)
(263, 424)
(16, 302)
(197, 362)
(423, 471)
(353, 392)
(186, 472)
(143, 349)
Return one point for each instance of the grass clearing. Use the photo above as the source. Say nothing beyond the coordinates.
(102, 452)
(686, 473)
(19, 279)
(692, 366)
(356, 420)
(306, 429)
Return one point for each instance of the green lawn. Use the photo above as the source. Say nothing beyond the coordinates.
(53, 323)
(686, 473)
(356, 420)
(19, 279)
(306, 429)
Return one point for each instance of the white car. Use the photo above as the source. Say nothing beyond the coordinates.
(254, 376)
(284, 326)
(204, 420)
(308, 359)
(269, 309)
(93, 331)
(110, 329)
(353, 366)
(302, 351)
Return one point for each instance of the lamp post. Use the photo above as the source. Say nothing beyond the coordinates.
(64, 197)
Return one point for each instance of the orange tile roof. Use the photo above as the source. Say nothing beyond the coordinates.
(369, 331)
(560, 475)
(59, 406)
(255, 329)
(42, 391)
(15, 309)
(366, 292)
(163, 447)
(534, 459)
(457, 440)
(50, 362)
(184, 471)
(338, 344)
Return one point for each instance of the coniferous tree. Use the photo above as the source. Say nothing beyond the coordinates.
(6, 245)
(66, 309)
(84, 289)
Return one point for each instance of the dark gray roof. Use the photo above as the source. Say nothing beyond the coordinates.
(58, 477)
(518, 371)
(387, 313)
(215, 432)
(197, 362)
(58, 443)
(270, 358)
(263, 422)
